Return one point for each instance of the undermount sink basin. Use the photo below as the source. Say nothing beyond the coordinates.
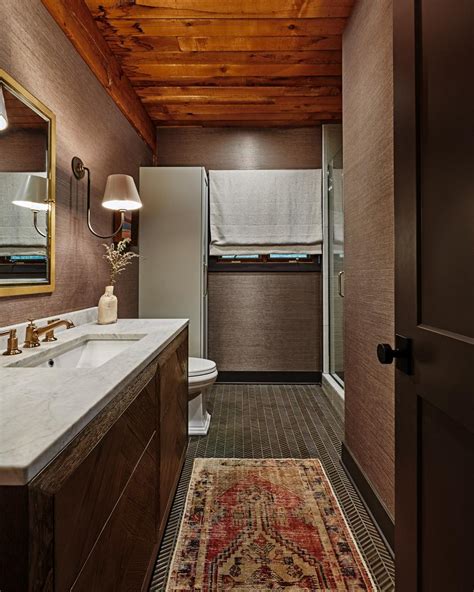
(89, 354)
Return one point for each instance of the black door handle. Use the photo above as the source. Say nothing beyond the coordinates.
(402, 353)
(386, 354)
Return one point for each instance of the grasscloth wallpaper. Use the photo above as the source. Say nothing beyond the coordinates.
(37, 54)
(234, 148)
(369, 241)
(265, 321)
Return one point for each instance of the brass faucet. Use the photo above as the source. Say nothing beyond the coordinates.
(33, 333)
(12, 343)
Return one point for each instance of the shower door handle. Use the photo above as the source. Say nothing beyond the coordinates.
(205, 280)
(339, 284)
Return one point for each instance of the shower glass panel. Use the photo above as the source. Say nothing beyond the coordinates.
(336, 268)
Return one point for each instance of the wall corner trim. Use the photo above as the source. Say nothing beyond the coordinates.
(374, 505)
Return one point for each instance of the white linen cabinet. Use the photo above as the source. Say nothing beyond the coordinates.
(173, 242)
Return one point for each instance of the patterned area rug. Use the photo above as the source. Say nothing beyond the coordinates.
(264, 524)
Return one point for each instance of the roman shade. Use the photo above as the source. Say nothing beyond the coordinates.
(265, 211)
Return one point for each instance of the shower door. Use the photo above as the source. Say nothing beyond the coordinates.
(336, 268)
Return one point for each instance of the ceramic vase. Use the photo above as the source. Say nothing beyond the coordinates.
(107, 307)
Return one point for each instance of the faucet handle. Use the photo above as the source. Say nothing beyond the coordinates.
(31, 324)
(31, 337)
(12, 343)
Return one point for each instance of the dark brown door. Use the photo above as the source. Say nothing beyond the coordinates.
(434, 206)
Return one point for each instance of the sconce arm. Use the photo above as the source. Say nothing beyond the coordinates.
(122, 219)
(35, 223)
(79, 171)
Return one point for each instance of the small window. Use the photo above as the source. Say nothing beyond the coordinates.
(270, 262)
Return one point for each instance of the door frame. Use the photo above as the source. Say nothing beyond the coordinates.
(406, 401)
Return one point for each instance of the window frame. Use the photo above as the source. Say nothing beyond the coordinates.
(264, 264)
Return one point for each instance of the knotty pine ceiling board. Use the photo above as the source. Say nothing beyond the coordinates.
(230, 62)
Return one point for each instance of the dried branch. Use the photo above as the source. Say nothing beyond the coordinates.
(118, 258)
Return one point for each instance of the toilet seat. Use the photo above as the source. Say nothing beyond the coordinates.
(200, 367)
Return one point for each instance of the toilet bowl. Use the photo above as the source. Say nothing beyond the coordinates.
(202, 374)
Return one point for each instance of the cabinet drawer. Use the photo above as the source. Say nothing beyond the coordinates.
(122, 555)
(86, 499)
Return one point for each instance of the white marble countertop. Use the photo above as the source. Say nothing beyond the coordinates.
(43, 409)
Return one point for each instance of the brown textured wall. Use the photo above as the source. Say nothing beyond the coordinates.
(369, 241)
(37, 54)
(234, 148)
(265, 321)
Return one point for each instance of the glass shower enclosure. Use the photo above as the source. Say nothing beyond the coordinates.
(336, 267)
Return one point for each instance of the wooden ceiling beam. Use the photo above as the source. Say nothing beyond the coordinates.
(225, 109)
(144, 9)
(231, 81)
(222, 27)
(157, 95)
(258, 111)
(183, 71)
(79, 26)
(271, 123)
(232, 57)
(255, 117)
(145, 43)
(243, 109)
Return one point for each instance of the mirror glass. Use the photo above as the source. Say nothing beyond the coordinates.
(26, 197)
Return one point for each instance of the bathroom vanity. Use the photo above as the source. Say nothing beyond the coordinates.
(92, 441)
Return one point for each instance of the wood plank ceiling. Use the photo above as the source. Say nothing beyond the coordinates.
(271, 63)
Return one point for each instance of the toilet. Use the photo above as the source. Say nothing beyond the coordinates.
(202, 374)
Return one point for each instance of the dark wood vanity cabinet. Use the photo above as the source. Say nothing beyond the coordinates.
(173, 435)
(93, 519)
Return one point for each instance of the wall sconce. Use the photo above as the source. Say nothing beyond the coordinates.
(33, 194)
(3, 111)
(120, 194)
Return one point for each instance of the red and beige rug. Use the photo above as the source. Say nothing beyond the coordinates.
(264, 524)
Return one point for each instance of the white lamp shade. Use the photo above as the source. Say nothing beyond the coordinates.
(33, 193)
(121, 193)
(3, 111)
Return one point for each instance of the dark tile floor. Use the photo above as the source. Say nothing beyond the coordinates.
(276, 421)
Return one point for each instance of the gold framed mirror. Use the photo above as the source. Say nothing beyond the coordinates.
(27, 191)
